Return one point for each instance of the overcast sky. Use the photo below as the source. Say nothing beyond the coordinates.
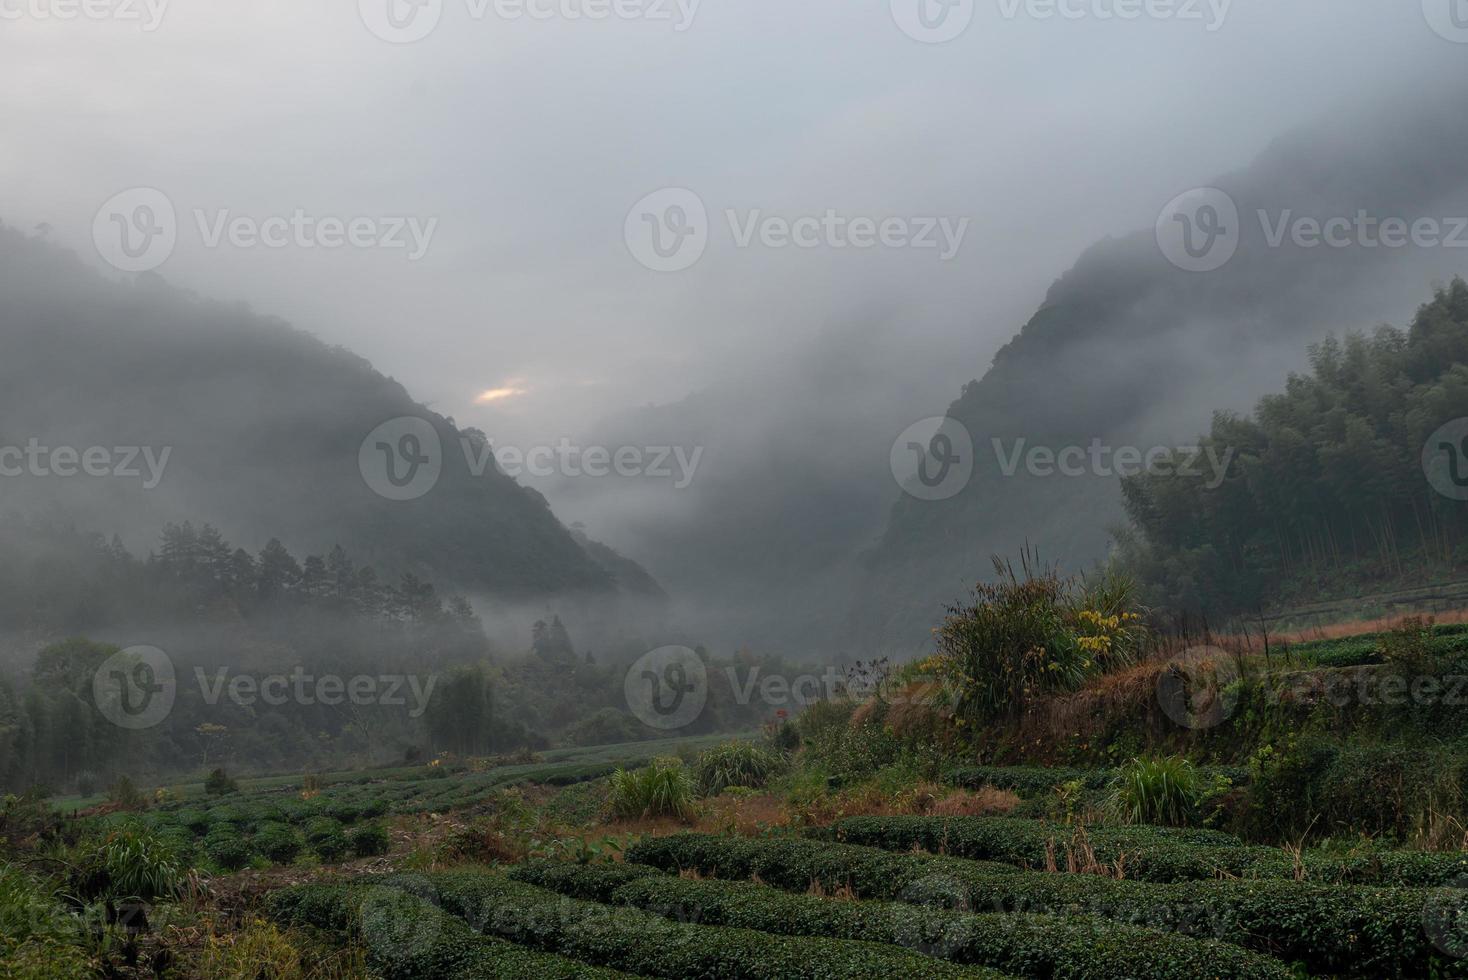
(528, 141)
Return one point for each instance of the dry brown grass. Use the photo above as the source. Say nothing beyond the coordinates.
(984, 802)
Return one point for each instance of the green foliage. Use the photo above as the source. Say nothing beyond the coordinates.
(1157, 791)
(368, 840)
(407, 936)
(662, 789)
(1030, 633)
(1021, 945)
(229, 851)
(128, 864)
(1325, 475)
(1160, 854)
(645, 944)
(279, 844)
(734, 764)
(1345, 930)
(218, 783)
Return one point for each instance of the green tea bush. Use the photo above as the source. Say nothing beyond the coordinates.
(368, 840)
(280, 844)
(734, 764)
(649, 945)
(1025, 945)
(1161, 854)
(229, 852)
(330, 847)
(662, 789)
(1332, 929)
(407, 937)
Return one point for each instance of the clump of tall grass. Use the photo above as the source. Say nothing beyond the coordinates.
(1164, 791)
(735, 764)
(662, 789)
(130, 864)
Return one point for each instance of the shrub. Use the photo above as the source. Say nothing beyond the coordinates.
(126, 795)
(280, 845)
(1025, 945)
(734, 764)
(1031, 633)
(368, 840)
(1331, 929)
(329, 847)
(218, 783)
(229, 852)
(649, 945)
(1157, 791)
(662, 789)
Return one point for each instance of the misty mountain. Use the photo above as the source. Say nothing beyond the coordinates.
(193, 410)
(1131, 350)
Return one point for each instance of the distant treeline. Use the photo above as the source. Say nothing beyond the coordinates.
(221, 614)
(1326, 489)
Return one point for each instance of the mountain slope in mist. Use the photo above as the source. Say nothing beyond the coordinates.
(1131, 350)
(262, 425)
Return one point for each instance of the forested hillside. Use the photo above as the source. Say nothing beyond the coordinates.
(262, 424)
(1327, 489)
